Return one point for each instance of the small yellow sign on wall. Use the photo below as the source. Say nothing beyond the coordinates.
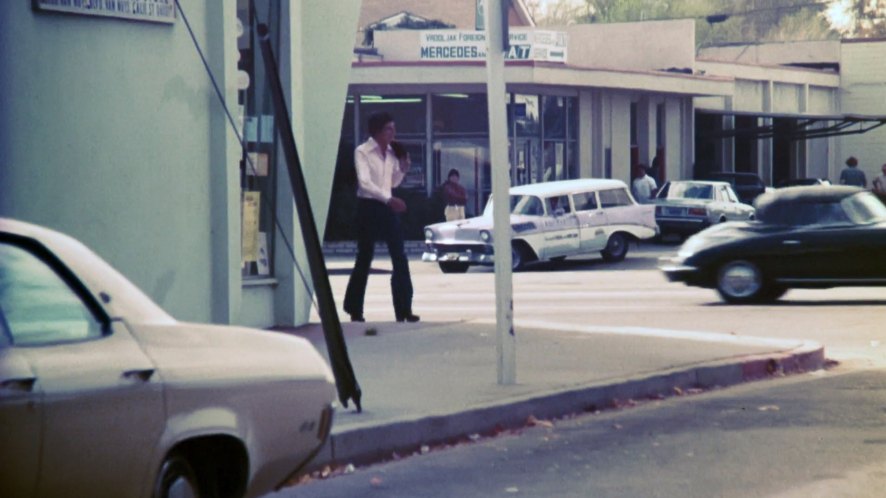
(249, 215)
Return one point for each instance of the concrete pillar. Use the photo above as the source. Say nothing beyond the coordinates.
(224, 151)
(585, 131)
(727, 150)
(599, 135)
(620, 126)
(646, 139)
(675, 140)
(320, 35)
(764, 151)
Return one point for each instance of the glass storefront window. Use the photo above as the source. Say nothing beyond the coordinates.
(258, 157)
(555, 117)
(460, 113)
(525, 109)
(408, 110)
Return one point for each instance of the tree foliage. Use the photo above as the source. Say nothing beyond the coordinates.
(731, 21)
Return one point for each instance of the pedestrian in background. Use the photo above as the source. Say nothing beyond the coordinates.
(644, 186)
(851, 175)
(379, 169)
(454, 196)
(879, 182)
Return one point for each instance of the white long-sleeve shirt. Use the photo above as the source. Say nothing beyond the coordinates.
(376, 174)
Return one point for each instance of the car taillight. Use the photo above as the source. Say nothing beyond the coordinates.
(698, 212)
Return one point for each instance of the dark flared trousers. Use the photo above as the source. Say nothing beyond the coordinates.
(375, 221)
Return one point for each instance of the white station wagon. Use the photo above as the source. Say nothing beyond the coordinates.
(549, 221)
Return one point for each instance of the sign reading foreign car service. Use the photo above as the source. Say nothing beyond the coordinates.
(137, 10)
(460, 45)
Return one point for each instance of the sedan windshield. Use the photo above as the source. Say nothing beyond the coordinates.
(687, 190)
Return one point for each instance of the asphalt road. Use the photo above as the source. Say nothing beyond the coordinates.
(634, 295)
(814, 435)
(818, 435)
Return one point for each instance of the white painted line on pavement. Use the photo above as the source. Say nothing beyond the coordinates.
(663, 333)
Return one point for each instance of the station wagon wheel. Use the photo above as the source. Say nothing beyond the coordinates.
(740, 282)
(453, 266)
(616, 248)
(176, 479)
(518, 257)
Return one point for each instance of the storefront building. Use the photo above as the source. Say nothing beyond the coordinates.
(112, 130)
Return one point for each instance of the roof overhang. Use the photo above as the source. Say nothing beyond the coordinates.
(403, 75)
(804, 126)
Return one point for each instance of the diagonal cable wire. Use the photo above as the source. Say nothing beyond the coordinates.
(265, 202)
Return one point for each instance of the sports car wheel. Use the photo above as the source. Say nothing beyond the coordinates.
(616, 248)
(740, 282)
(176, 479)
(453, 267)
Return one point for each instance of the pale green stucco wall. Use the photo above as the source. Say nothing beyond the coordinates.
(108, 133)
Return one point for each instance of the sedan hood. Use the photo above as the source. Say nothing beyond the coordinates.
(188, 351)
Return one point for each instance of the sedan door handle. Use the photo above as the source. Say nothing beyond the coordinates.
(791, 242)
(142, 375)
(25, 384)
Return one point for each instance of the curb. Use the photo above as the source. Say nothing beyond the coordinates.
(365, 445)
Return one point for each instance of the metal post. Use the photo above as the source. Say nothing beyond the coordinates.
(506, 340)
(345, 380)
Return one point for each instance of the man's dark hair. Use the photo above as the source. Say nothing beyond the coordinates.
(377, 121)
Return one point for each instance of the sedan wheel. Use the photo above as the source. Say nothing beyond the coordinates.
(740, 282)
(176, 479)
(616, 248)
(453, 267)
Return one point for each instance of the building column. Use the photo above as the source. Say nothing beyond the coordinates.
(620, 126)
(764, 151)
(224, 150)
(675, 141)
(727, 148)
(585, 131)
(646, 137)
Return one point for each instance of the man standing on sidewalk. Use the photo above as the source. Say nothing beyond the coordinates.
(378, 217)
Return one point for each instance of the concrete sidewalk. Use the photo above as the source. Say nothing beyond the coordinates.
(430, 383)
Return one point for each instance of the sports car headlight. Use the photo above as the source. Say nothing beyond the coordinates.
(485, 236)
(429, 234)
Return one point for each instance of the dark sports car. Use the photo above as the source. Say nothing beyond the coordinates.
(809, 237)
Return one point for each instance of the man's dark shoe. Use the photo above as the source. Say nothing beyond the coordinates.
(409, 318)
(357, 317)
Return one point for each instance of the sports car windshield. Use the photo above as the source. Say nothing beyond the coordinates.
(688, 190)
(859, 209)
(864, 208)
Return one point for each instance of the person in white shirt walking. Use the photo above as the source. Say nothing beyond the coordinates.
(379, 169)
(643, 186)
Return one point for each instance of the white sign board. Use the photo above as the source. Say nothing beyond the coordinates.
(137, 10)
(460, 45)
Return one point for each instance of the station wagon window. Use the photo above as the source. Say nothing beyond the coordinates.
(527, 205)
(37, 305)
(585, 201)
(558, 202)
(614, 198)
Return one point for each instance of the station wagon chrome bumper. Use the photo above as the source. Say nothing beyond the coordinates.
(478, 255)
